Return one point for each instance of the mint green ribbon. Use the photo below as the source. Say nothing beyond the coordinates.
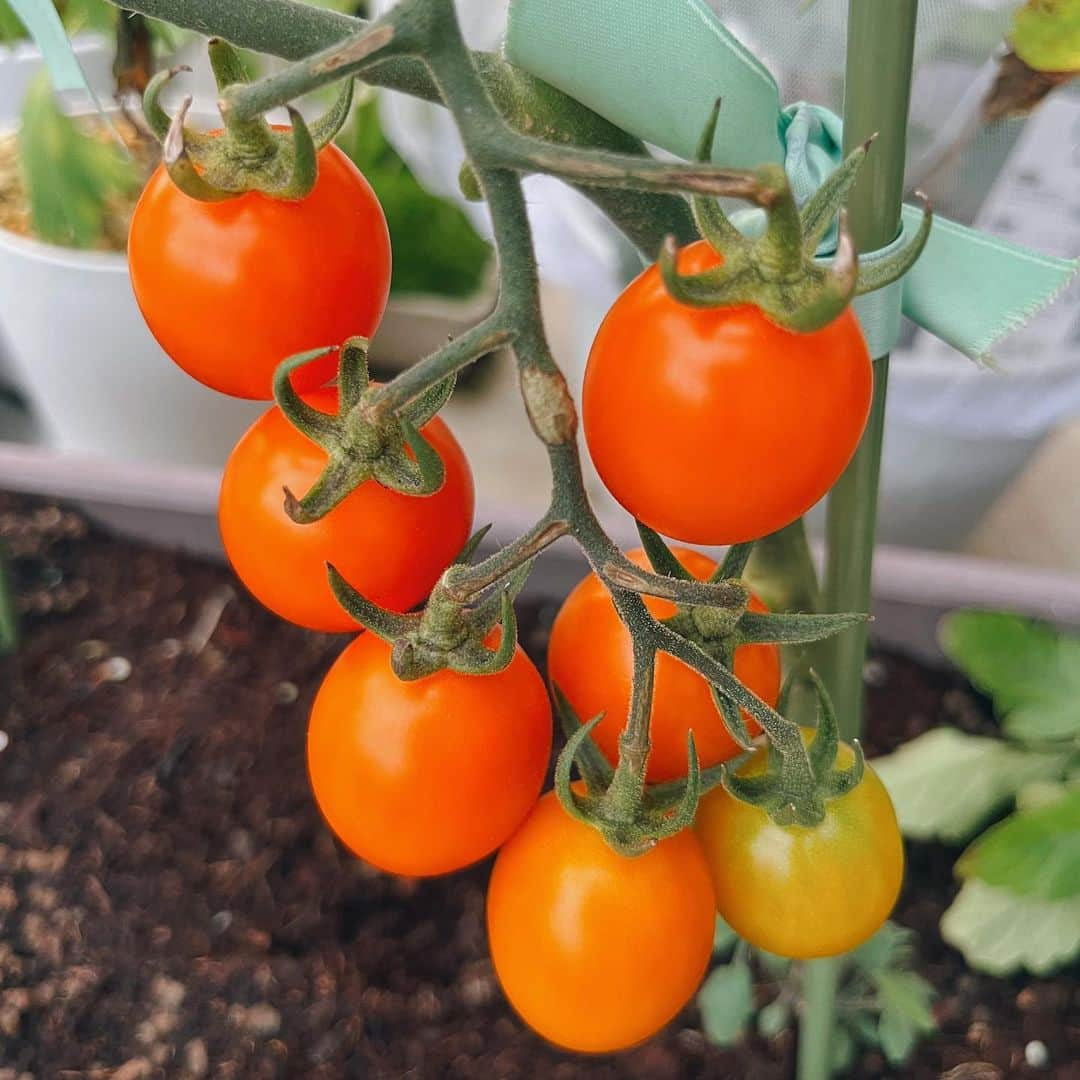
(655, 68)
(43, 24)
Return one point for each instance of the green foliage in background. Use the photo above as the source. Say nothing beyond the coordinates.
(70, 176)
(77, 15)
(881, 1003)
(436, 249)
(1020, 903)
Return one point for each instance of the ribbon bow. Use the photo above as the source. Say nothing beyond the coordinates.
(968, 288)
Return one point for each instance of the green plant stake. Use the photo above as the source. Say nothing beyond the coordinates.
(9, 626)
(877, 92)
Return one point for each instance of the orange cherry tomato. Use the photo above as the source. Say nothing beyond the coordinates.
(590, 659)
(391, 547)
(230, 289)
(804, 892)
(597, 952)
(425, 777)
(715, 425)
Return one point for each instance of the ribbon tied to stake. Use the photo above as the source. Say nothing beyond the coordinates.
(969, 288)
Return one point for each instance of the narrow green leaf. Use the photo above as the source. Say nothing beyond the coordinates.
(907, 993)
(945, 784)
(1030, 670)
(897, 1036)
(841, 1050)
(724, 938)
(726, 1001)
(773, 1018)
(888, 948)
(1034, 853)
(1000, 932)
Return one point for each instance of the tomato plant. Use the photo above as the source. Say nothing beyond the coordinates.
(231, 288)
(590, 659)
(596, 951)
(716, 425)
(428, 776)
(392, 547)
(804, 891)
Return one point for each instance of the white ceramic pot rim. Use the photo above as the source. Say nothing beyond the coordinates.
(103, 262)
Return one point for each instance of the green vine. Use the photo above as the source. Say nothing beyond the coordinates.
(511, 125)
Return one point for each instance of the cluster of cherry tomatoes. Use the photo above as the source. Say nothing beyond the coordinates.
(748, 425)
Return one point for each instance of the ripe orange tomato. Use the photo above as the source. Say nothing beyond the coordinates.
(230, 289)
(595, 951)
(715, 425)
(389, 546)
(590, 659)
(425, 777)
(804, 892)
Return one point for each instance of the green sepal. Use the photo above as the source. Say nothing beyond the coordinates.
(793, 628)
(735, 560)
(881, 272)
(388, 625)
(594, 767)
(421, 409)
(732, 717)
(660, 556)
(354, 376)
(821, 209)
(580, 807)
(421, 474)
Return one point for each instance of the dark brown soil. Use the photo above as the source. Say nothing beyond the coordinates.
(171, 904)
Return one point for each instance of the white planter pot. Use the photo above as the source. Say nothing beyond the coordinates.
(97, 380)
(957, 435)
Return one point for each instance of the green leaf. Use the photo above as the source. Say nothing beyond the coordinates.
(888, 948)
(945, 784)
(999, 931)
(897, 1036)
(907, 993)
(11, 27)
(436, 249)
(841, 1050)
(70, 175)
(776, 967)
(1039, 793)
(1034, 853)
(904, 999)
(726, 1001)
(1030, 670)
(773, 1018)
(724, 938)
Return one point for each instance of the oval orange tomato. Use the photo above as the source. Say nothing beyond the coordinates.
(798, 891)
(596, 951)
(715, 425)
(425, 777)
(590, 659)
(389, 546)
(230, 289)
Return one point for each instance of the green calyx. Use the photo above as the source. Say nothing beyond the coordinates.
(631, 817)
(718, 632)
(365, 440)
(247, 155)
(794, 787)
(448, 635)
(778, 272)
